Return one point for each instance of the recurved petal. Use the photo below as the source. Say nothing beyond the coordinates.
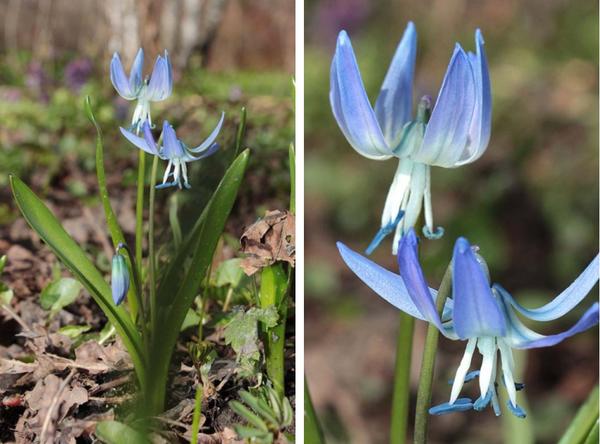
(149, 138)
(189, 157)
(161, 83)
(139, 142)
(481, 124)
(476, 311)
(414, 280)
(136, 77)
(119, 79)
(393, 107)
(350, 104)
(172, 148)
(520, 336)
(211, 138)
(567, 300)
(448, 129)
(386, 284)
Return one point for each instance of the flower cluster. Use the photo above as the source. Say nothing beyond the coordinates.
(157, 87)
(454, 132)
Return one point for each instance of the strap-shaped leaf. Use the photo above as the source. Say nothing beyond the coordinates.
(47, 226)
(180, 284)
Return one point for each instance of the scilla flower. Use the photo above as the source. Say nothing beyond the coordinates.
(155, 88)
(479, 313)
(174, 150)
(455, 132)
(119, 277)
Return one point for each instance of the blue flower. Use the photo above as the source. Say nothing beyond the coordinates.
(454, 133)
(155, 88)
(119, 277)
(174, 150)
(483, 315)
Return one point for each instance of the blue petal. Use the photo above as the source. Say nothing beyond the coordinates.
(414, 280)
(209, 152)
(138, 141)
(393, 107)
(136, 79)
(448, 129)
(172, 148)
(565, 301)
(119, 79)
(149, 138)
(386, 284)
(209, 142)
(460, 405)
(161, 80)
(481, 124)
(476, 312)
(119, 278)
(351, 106)
(521, 337)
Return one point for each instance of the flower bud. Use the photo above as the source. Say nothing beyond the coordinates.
(119, 278)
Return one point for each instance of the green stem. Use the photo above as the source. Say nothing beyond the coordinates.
(196, 417)
(426, 376)
(138, 291)
(139, 210)
(401, 396)
(312, 428)
(151, 252)
(583, 422)
(273, 289)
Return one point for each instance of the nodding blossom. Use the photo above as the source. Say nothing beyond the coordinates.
(482, 314)
(155, 88)
(174, 150)
(119, 281)
(454, 132)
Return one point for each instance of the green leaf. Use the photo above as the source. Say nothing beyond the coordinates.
(6, 295)
(114, 432)
(59, 294)
(242, 332)
(116, 233)
(229, 272)
(191, 320)
(260, 408)
(45, 224)
(584, 421)
(3, 260)
(255, 435)
(184, 274)
(248, 415)
(73, 331)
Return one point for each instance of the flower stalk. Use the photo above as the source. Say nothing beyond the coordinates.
(401, 396)
(428, 362)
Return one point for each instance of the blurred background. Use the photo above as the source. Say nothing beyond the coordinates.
(530, 203)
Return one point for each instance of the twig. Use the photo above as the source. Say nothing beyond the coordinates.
(111, 399)
(110, 384)
(16, 317)
(53, 405)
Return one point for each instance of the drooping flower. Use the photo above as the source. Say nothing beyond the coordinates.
(454, 133)
(174, 150)
(119, 281)
(155, 88)
(482, 314)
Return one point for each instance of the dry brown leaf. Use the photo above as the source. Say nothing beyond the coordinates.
(50, 401)
(269, 240)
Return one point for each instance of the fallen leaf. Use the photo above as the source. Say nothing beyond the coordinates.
(269, 240)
